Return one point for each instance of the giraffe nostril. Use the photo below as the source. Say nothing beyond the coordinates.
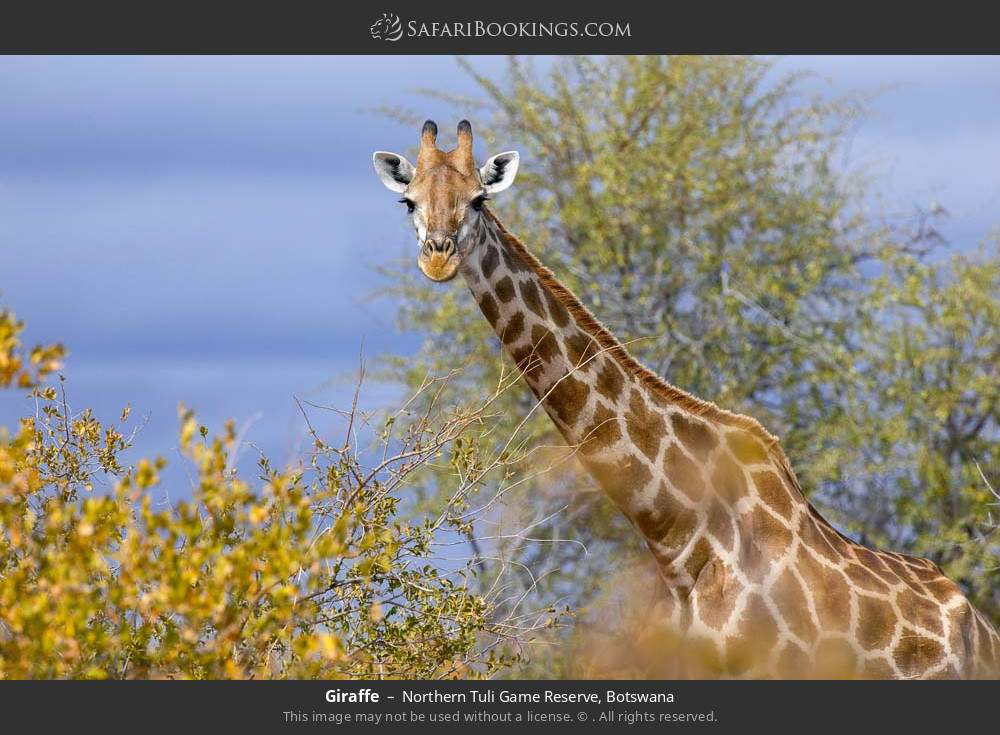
(445, 246)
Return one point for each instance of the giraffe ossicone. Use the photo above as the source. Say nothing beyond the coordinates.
(754, 575)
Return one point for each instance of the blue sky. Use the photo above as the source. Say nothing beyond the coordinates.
(207, 229)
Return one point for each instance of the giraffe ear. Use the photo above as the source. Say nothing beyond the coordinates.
(394, 170)
(499, 171)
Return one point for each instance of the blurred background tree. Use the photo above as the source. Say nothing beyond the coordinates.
(703, 210)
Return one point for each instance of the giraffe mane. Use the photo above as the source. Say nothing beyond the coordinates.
(608, 342)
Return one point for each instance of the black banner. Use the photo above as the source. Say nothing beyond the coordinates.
(393, 27)
(525, 706)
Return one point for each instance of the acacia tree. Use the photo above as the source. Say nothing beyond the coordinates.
(700, 207)
(310, 571)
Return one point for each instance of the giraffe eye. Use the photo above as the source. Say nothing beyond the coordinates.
(410, 205)
(477, 203)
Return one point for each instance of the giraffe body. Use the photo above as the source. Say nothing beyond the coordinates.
(756, 579)
(751, 569)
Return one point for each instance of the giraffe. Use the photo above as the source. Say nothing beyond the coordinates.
(756, 579)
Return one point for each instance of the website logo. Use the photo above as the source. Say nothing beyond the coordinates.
(387, 28)
(390, 28)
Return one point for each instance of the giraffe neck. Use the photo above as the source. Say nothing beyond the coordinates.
(751, 568)
(647, 444)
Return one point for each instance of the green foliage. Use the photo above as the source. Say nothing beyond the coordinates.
(308, 572)
(694, 205)
(919, 458)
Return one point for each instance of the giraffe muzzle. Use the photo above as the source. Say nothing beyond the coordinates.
(438, 259)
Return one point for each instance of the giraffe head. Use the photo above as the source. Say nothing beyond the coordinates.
(444, 195)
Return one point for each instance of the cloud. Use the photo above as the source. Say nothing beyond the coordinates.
(270, 265)
(150, 115)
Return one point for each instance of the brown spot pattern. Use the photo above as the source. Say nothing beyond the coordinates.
(721, 524)
(683, 473)
(602, 433)
(505, 289)
(920, 611)
(556, 310)
(928, 573)
(874, 562)
(610, 380)
(694, 434)
(489, 262)
(728, 481)
(528, 362)
(830, 593)
(717, 589)
(621, 479)
(667, 521)
(745, 448)
(698, 558)
(513, 262)
(865, 579)
(809, 532)
(645, 427)
(766, 539)
(898, 567)
(916, 653)
(581, 349)
(787, 594)
(545, 343)
(876, 622)
(531, 298)
(515, 325)
(756, 635)
(567, 398)
(772, 491)
(943, 589)
(489, 307)
(838, 542)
